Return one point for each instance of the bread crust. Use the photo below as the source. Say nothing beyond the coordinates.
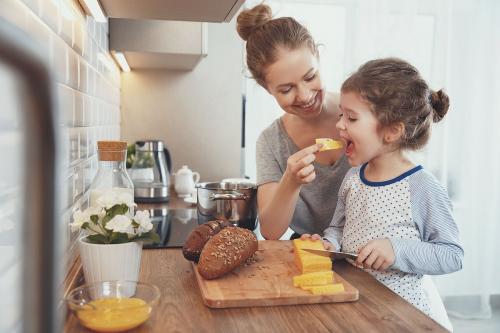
(226, 251)
(199, 237)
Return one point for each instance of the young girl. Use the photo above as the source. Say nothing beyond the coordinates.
(392, 213)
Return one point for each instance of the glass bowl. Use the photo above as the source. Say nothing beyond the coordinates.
(113, 306)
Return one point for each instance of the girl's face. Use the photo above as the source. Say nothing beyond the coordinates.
(295, 83)
(359, 129)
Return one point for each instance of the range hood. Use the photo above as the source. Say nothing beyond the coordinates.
(156, 44)
(164, 34)
(175, 10)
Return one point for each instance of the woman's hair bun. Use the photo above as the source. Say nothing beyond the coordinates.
(250, 19)
(440, 103)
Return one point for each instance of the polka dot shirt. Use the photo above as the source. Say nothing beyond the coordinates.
(408, 210)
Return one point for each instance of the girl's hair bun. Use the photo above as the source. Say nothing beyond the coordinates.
(251, 19)
(440, 103)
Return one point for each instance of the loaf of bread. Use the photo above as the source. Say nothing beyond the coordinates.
(225, 251)
(199, 237)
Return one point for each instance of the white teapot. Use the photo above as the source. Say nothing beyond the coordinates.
(184, 181)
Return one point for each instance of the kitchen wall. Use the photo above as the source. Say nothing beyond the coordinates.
(197, 113)
(87, 87)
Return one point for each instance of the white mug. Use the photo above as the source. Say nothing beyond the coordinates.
(185, 181)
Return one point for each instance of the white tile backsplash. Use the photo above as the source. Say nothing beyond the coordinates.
(79, 36)
(67, 32)
(49, 14)
(79, 109)
(73, 67)
(65, 100)
(87, 92)
(83, 81)
(34, 5)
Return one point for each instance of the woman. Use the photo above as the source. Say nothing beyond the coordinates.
(297, 184)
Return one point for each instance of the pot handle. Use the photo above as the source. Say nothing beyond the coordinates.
(228, 196)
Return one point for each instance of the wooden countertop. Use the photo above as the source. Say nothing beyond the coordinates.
(181, 308)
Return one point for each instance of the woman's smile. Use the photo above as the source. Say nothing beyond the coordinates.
(309, 106)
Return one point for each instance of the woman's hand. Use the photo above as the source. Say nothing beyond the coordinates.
(299, 166)
(377, 254)
(315, 237)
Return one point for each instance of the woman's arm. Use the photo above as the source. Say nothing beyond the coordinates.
(276, 204)
(276, 200)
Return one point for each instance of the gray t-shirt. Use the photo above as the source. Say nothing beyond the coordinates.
(317, 200)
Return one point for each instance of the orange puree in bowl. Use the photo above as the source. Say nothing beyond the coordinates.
(114, 314)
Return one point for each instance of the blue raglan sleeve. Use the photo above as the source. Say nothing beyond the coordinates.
(333, 233)
(439, 251)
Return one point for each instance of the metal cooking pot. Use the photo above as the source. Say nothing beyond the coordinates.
(234, 202)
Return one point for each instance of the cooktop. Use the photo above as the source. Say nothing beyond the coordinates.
(173, 226)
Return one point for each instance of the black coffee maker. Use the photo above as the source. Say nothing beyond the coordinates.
(150, 171)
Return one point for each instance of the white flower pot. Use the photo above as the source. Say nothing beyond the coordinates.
(110, 262)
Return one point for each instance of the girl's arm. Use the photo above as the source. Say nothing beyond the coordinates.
(439, 251)
(333, 233)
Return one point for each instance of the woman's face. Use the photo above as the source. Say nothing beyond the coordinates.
(295, 83)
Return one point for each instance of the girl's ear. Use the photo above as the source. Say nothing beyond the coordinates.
(394, 132)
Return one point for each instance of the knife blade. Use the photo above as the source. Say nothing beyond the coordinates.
(333, 254)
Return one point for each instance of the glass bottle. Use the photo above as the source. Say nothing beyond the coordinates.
(112, 177)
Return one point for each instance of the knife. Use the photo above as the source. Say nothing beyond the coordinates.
(333, 254)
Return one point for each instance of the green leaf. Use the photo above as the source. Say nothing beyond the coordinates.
(119, 237)
(135, 224)
(85, 225)
(98, 239)
(148, 237)
(121, 209)
(94, 218)
(106, 219)
(155, 238)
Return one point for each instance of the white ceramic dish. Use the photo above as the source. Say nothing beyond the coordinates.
(192, 200)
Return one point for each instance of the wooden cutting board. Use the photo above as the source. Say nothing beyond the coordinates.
(266, 282)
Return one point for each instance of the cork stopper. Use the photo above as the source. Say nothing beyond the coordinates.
(112, 150)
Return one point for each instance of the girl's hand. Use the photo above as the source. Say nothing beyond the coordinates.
(377, 254)
(299, 166)
(314, 237)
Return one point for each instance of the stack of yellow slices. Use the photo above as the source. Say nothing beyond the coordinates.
(317, 273)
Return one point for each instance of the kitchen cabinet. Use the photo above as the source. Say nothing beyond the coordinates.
(177, 10)
(156, 44)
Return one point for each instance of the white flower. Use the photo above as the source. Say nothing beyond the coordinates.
(112, 197)
(79, 217)
(142, 218)
(121, 223)
(126, 198)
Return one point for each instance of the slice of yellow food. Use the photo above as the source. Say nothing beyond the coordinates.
(114, 314)
(327, 289)
(308, 262)
(312, 279)
(329, 144)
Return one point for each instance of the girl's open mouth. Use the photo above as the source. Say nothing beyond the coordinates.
(349, 147)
